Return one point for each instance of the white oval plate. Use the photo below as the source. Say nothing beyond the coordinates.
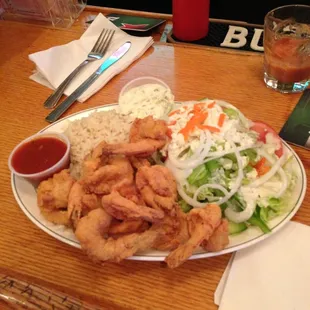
(25, 196)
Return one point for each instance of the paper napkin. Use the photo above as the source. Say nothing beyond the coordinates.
(221, 286)
(272, 275)
(55, 64)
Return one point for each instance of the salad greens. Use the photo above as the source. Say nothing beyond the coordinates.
(241, 166)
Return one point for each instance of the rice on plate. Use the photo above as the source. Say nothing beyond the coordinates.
(84, 134)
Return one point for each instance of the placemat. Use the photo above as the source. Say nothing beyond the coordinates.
(229, 35)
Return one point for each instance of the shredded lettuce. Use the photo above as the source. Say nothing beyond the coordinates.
(276, 207)
(232, 157)
(251, 154)
(238, 204)
(202, 174)
(199, 176)
(255, 220)
(231, 113)
(209, 194)
(212, 165)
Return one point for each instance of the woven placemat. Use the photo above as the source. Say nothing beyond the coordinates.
(229, 35)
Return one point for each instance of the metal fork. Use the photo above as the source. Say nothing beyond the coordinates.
(96, 53)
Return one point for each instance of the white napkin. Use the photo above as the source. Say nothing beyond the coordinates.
(272, 275)
(55, 64)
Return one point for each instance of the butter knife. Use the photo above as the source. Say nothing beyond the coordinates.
(65, 105)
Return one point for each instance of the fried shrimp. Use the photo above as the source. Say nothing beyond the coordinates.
(122, 208)
(141, 148)
(127, 227)
(202, 223)
(124, 201)
(174, 230)
(58, 217)
(52, 197)
(102, 181)
(146, 136)
(53, 193)
(138, 162)
(80, 203)
(148, 128)
(157, 187)
(219, 239)
(94, 160)
(91, 231)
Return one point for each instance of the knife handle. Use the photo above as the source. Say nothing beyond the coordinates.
(53, 99)
(66, 104)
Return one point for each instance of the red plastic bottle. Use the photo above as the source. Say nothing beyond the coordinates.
(190, 19)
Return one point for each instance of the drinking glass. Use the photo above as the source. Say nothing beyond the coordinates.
(287, 48)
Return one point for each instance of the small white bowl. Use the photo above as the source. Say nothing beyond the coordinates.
(141, 81)
(36, 178)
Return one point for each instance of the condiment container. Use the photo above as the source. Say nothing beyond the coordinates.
(142, 81)
(25, 160)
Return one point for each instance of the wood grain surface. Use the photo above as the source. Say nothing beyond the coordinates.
(29, 253)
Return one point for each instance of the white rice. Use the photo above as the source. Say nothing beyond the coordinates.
(84, 134)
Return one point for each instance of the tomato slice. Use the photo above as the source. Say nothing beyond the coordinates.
(263, 129)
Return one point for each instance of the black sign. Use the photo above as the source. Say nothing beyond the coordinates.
(232, 35)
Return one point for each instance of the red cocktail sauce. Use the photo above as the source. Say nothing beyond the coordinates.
(38, 155)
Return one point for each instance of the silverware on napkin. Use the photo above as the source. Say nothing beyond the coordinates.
(64, 106)
(97, 52)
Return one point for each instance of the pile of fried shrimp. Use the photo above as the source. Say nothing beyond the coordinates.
(124, 203)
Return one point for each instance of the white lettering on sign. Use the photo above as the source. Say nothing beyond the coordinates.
(238, 33)
(254, 43)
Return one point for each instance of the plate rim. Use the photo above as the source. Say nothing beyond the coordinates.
(142, 257)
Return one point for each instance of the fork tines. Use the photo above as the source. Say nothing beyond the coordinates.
(103, 41)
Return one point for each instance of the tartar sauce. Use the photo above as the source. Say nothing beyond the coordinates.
(148, 99)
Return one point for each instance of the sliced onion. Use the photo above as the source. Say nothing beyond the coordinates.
(239, 178)
(216, 186)
(194, 162)
(179, 163)
(223, 153)
(239, 217)
(179, 174)
(284, 183)
(280, 171)
(274, 169)
(190, 200)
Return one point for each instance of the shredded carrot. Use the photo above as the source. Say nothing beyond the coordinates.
(172, 123)
(197, 108)
(261, 167)
(210, 128)
(178, 110)
(221, 120)
(211, 105)
(199, 105)
(174, 112)
(196, 119)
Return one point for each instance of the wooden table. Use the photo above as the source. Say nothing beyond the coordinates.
(192, 73)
